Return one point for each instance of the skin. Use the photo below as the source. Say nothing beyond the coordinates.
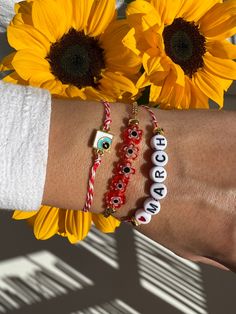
(197, 220)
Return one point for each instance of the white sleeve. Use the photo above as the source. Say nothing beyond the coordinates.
(25, 113)
(6, 13)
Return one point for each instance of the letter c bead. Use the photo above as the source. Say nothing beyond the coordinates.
(158, 174)
(158, 142)
(151, 206)
(142, 217)
(159, 158)
(158, 191)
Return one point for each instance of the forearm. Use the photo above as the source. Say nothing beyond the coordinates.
(201, 178)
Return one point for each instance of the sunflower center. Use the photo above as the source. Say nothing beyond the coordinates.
(185, 45)
(77, 59)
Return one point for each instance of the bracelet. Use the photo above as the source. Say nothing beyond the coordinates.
(157, 174)
(102, 143)
(132, 136)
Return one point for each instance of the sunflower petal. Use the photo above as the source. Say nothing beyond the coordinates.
(125, 61)
(167, 9)
(28, 64)
(198, 99)
(46, 222)
(81, 10)
(50, 19)
(193, 10)
(101, 15)
(6, 62)
(220, 21)
(142, 14)
(26, 36)
(222, 49)
(19, 214)
(155, 91)
(73, 91)
(14, 78)
(209, 86)
(23, 7)
(220, 67)
(77, 225)
(106, 225)
(21, 19)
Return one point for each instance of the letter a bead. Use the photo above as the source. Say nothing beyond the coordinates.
(142, 217)
(158, 174)
(151, 206)
(159, 158)
(158, 191)
(158, 142)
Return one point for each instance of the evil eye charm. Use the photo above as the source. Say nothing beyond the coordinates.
(115, 199)
(103, 141)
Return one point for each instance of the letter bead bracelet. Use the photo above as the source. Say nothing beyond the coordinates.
(157, 174)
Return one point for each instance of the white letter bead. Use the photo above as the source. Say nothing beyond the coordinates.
(142, 217)
(158, 142)
(159, 158)
(158, 174)
(158, 191)
(151, 206)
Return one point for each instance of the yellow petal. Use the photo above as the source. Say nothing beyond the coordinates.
(73, 91)
(180, 76)
(130, 41)
(14, 78)
(209, 86)
(198, 99)
(220, 67)
(117, 84)
(81, 11)
(50, 18)
(167, 9)
(222, 49)
(23, 7)
(29, 65)
(220, 21)
(143, 81)
(27, 37)
(6, 62)
(19, 215)
(106, 225)
(46, 222)
(142, 14)
(151, 61)
(155, 91)
(61, 223)
(193, 10)
(21, 18)
(125, 61)
(53, 86)
(101, 15)
(78, 224)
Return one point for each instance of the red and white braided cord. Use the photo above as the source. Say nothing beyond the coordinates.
(97, 161)
(154, 119)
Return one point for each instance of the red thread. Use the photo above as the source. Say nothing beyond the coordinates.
(97, 160)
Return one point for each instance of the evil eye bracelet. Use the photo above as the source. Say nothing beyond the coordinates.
(132, 136)
(102, 143)
(158, 174)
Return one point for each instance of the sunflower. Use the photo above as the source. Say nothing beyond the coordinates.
(186, 59)
(72, 224)
(72, 48)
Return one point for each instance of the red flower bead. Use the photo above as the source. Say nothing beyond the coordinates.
(133, 134)
(125, 169)
(115, 199)
(119, 183)
(130, 151)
